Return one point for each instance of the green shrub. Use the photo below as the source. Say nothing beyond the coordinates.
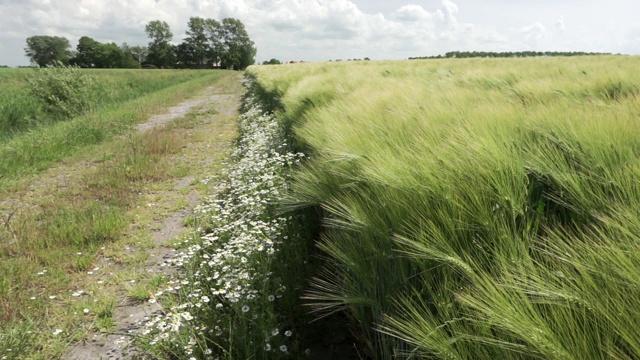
(64, 92)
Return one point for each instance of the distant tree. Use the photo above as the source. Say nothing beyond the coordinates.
(272, 62)
(508, 54)
(215, 34)
(161, 52)
(184, 55)
(367, 59)
(88, 53)
(129, 60)
(209, 43)
(239, 51)
(139, 52)
(196, 43)
(91, 53)
(158, 31)
(46, 50)
(111, 56)
(162, 55)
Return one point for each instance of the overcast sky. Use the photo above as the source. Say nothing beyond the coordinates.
(318, 30)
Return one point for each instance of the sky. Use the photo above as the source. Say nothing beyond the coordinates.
(320, 30)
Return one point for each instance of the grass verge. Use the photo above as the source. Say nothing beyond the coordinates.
(40, 97)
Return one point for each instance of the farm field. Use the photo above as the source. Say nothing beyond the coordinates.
(84, 199)
(472, 209)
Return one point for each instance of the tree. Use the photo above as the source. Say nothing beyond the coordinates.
(158, 31)
(239, 51)
(272, 62)
(214, 32)
(111, 56)
(162, 55)
(196, 43)
(139, 52)
(87, 53)
(46, 50)
(161, 52)
(184, 54)
(92, 53)
(128, 59)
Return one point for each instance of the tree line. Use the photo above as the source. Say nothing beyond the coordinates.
(209, 43)
(506, 54)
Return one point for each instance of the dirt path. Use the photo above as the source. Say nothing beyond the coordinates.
(170, 203)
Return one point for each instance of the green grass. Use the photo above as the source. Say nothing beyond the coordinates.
(474, 209)
(66, 234)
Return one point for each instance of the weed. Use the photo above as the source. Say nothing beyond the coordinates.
(139, 293)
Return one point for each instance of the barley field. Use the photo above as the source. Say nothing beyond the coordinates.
(472, 208)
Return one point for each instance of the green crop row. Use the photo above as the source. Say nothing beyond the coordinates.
(473, 209)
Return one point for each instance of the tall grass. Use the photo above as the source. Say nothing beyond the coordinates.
(474, 209)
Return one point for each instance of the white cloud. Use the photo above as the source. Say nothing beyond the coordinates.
(537, 30)
(412, 13)
(532, 34)
(631, 41)
(560, 24)
(343, 20)
(451, 10)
